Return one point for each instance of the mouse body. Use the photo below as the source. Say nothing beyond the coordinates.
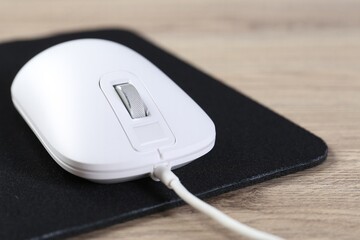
(107, 114)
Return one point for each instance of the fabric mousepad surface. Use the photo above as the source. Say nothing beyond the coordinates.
(40, 200)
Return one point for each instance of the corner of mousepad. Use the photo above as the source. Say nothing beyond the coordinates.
(253, 144)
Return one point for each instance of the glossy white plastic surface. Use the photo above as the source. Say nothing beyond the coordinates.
(66, 94)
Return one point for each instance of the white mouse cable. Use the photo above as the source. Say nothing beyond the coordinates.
(166, 176)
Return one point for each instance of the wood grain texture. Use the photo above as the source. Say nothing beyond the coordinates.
(300, 58)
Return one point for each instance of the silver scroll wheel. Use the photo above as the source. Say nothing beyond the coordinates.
(132, 100)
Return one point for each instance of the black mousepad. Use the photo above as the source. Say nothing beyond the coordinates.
(40, 200)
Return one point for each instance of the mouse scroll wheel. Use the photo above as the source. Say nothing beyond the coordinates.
(132, 100)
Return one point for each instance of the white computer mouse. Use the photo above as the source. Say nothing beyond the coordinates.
(107, 114)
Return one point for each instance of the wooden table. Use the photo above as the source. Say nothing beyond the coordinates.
(300, 58)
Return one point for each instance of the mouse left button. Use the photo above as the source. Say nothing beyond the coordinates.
(132, 100)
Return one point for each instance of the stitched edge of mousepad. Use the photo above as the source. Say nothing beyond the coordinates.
(39, 200)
